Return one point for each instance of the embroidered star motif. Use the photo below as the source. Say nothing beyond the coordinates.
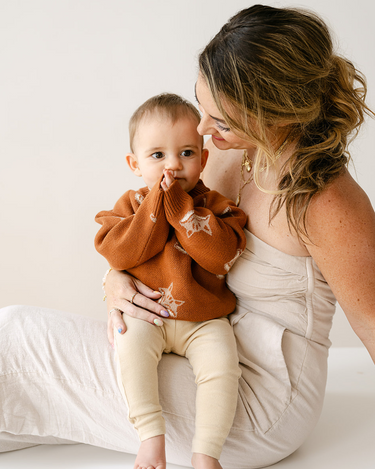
(194, 223)
(229, 264)
(179, 248)
(153, 218)
(227, 210)
(139, 198)
(167, 300)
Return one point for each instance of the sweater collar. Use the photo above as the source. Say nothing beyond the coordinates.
(199, 189)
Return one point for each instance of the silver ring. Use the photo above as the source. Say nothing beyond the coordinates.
(114, 309)
(132, 298)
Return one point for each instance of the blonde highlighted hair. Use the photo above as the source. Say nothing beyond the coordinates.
(277, 67)
(167, 105)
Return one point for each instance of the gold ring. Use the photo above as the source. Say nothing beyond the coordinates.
(115, 309)
(132, 298)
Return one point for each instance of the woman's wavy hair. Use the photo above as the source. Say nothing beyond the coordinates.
(277, 67)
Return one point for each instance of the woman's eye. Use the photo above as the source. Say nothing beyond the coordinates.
(221, 127)
(157, 155)
(187, 153)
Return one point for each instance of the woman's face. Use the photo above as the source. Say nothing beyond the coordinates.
(213, 123)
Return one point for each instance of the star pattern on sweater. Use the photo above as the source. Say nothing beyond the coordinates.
(167, 300)
(139, 197)
(226, 210)
(193, 223)
(229, 264)
(179, 247)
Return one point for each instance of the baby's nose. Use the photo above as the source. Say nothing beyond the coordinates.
(173, 163)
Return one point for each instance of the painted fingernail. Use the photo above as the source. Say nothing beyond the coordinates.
(119, 330)
(165, 314)
(158, 322)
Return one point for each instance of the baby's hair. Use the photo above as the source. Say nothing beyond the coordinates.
(167, 105)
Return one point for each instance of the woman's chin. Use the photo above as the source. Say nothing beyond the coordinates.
(220, 143)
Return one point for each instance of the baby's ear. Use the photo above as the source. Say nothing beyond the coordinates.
(132, 161)
(204, 158)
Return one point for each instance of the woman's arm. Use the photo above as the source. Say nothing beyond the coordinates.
(341, 226)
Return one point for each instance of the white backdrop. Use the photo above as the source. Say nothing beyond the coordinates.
(71, 74)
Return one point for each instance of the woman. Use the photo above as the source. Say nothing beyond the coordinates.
(281, 109)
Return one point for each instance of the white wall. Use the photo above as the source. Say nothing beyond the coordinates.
(71, 74)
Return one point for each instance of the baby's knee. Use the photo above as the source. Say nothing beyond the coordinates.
(139, 334)
(222, 366)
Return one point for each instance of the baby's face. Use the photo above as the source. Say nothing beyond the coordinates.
(159, 144)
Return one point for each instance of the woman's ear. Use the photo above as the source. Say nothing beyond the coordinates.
(132, 161)
(204, 158)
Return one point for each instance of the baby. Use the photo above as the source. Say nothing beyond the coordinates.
(181, 239)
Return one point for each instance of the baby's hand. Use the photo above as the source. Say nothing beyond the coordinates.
(167, 180)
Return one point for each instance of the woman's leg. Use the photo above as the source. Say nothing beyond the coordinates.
(58, 385)
(58, 382)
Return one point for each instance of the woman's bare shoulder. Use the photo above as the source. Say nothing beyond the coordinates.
(342, 205)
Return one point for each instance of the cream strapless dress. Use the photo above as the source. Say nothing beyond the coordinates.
(58, 373)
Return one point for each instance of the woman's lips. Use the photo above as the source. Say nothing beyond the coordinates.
(217, 138)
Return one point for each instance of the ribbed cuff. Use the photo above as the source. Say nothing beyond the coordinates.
(175, 200)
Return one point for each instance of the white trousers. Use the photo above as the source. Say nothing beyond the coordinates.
(58, 385)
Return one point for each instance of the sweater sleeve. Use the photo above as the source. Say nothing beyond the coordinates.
(211, 234)
(134, 231)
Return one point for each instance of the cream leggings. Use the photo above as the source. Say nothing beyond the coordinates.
(211, 350)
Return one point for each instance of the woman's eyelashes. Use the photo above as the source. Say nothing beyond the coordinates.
(219, 125)
(222, 127)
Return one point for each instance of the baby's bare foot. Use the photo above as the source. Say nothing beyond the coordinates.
(151, 454)
(202, 461)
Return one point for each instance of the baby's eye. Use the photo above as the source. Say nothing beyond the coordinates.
(187, 153)
(157, 155)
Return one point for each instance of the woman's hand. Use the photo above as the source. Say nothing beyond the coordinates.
(120, 289)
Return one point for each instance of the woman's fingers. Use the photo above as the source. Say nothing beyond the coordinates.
(145, 290)
(128, 295)
(115, 323)
(143, 308)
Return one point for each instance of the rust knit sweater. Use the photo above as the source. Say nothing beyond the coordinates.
(181, 244)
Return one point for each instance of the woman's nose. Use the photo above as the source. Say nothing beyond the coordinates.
(205, 126)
